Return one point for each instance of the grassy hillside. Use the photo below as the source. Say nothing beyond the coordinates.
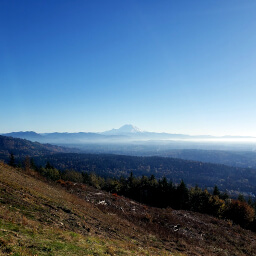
(40, 218)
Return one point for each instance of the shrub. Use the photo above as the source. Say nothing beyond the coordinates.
(72, 176)
(240, 212)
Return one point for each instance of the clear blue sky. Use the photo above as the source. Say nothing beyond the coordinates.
(165, 66)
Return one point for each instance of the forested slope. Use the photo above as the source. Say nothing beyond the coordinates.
(22, 148)
(236, 180)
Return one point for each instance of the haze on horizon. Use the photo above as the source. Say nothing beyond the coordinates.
(90, 66)
(129, 133)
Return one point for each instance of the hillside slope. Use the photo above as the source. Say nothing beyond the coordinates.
(41, 219)
(38, 218)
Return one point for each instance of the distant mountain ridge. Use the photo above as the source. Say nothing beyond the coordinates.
(126, 133)
(56, 137)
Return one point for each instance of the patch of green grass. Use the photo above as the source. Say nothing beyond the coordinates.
(19, 240)
(73, 235)
(9, 226)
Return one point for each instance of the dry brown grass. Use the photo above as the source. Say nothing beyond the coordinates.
(47, 219)
(34, 213)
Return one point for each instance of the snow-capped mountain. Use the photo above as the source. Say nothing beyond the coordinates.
(126, 134)
(124, 130)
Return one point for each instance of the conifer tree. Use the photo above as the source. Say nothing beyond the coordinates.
(12, 160)
(216, 191)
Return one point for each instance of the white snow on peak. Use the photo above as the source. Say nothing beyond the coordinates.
(125, 129)
(128, 128)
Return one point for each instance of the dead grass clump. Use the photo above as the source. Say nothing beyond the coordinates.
(24, 221)
(110, 250)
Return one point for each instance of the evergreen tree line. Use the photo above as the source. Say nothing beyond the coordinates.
(160, 193)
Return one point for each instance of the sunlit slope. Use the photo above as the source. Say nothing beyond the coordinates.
(40, 218)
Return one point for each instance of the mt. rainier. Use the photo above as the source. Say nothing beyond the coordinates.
(125, 129)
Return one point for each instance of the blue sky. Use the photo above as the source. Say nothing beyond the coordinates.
(165, 66)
